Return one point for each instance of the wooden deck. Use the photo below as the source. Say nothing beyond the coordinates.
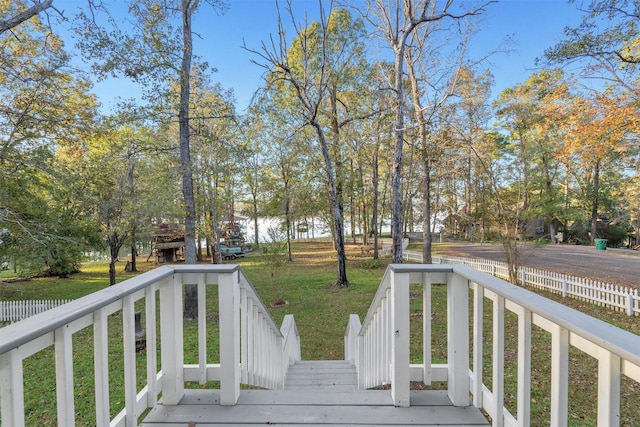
(316, 394)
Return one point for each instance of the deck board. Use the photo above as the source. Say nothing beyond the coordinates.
(314, 406)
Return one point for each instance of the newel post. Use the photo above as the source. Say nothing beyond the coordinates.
(172, 352)
(400, 386)
(458, 339)
(229, 308)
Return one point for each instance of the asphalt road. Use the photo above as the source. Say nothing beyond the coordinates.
(616, 266)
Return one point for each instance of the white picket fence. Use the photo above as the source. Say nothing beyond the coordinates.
(13, 311)
(615, 297)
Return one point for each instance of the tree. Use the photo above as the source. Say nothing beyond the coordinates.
(396, 24)
(150, 54)
(44, 107)
(21, 13)
(597, 128)
(607, 36)
(470, 118)
(433, 81)
(310, 70)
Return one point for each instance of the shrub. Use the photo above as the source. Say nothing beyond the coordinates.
(615, 234)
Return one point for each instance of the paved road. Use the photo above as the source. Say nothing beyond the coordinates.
(617, 266)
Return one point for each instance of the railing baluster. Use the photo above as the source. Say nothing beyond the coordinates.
(129, 341)
(458, 339)
(400, 339)
(478, 335)
(172, 356)
(524, 367)
(609, 367)
(11, 388)
(244, 340)
(559, 376)
(101, 367)
(251, 344)
(64, 376)
(426, 328)
(498, 360)
(151, 344)
(202, 329)
(229, 308)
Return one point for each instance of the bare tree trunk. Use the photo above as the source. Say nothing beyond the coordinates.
(638, 226)
(185, 150)
(115, 243)
(376, 190)
(134, 254)
(510, 245)
(426, 200)
(396, 171)
(335, 207)
(287, 216)
(594, 205)
(191, 290)
(255, 221)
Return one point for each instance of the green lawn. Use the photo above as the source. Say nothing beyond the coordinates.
(321, 313)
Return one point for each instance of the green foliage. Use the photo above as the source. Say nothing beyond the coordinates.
(615, 234)
(275, 255)
(371, 264)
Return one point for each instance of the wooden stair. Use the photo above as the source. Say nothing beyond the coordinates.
(327, 375)
(319, 393)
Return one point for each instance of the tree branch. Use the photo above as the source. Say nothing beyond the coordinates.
(23, 16)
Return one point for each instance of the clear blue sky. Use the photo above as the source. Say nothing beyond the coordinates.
(533, 26)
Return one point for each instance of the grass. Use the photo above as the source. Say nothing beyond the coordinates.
(321, 314)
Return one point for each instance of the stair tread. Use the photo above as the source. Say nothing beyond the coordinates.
(333, 375)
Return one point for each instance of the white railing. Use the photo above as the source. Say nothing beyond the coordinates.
(252, 350)
(387, 248)
(380, 348)
(12, 311)
(619, 298)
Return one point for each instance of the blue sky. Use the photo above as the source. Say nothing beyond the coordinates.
(533, 26)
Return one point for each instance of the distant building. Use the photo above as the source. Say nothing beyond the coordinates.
(168, 243)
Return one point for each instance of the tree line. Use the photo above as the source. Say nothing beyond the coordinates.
(337, 132)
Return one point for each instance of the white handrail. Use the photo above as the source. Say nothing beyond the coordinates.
(252, 348)
(617, 351)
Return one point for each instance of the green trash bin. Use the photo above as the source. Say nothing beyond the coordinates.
(601, 244)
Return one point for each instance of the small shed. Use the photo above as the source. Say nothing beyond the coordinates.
(168, 243)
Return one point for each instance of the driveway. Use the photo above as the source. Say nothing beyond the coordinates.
(616, 266)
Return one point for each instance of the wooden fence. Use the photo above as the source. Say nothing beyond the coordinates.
(618, 298)
(615, 297)
(13, 311)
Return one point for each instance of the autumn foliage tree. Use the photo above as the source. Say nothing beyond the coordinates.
(599, 130)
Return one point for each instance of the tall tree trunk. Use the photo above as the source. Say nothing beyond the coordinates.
(353, 218)
(134, 254)
(470, 235)
(287, 216)
(255, 221)
(376, 189)
(638, 225)
(396, 171)
(594, 204)
(426, 200)
(363, 217)
(115, 243)
(191, 290)
(335, 208)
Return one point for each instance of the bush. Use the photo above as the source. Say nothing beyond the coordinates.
(615, 234)
(371, 264)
